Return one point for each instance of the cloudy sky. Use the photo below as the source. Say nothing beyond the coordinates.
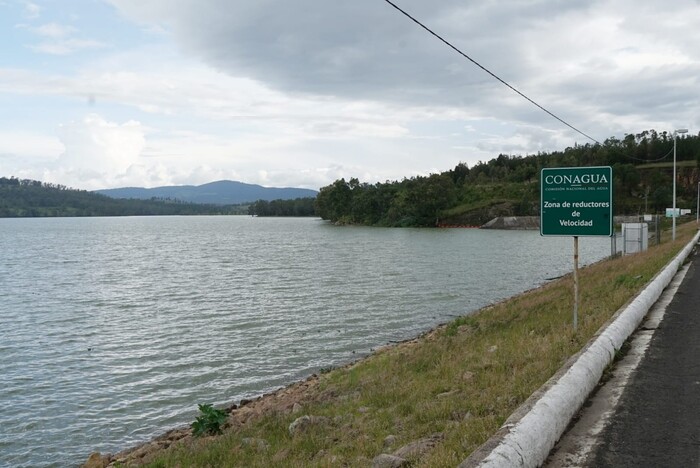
(111, 93)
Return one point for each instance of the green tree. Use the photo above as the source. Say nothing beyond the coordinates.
(662, 198)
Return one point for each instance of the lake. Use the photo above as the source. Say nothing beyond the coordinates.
(113, 329)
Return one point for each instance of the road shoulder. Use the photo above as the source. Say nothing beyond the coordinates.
(578, 444)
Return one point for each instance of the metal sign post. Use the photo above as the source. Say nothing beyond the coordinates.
(576, 201)
(575, 283)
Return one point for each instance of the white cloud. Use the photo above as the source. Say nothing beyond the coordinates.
(31, 10)
(188, 89)
(304, 92)
(255, 130)
(59, 39)
(66, 46)
(96, 151)
(31, 145)
(565, 55)
(53, 30)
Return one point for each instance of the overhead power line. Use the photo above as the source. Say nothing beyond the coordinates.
(652, 160)
(489, 71)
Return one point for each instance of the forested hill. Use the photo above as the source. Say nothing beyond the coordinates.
(31, 198)
(509, 185)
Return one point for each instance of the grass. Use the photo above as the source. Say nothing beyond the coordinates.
(690, 163)
(462, 379)
(477, 205)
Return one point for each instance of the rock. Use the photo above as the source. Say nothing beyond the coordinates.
(388, 461)
(140, 452)
(467, 376)
(418, 448)
(324, 458)
(447, 394)
(363, 409)
(389, 440)
(280, 456)
(241, 415)
(339, 419)
(259, 444)
(96, 460)
(467, 416)
(464, 329)
(352, 396)
(296, 408)
(304, 422)
(493, 349)
(299, 425)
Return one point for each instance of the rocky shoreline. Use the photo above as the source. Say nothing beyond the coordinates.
(513, 223)
(286, 400)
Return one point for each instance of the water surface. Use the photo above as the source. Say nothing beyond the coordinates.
(113, 329)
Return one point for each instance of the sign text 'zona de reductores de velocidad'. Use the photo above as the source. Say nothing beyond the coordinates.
(576, 201)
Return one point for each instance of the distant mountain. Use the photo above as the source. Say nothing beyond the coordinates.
(223, 192)
(32, 198)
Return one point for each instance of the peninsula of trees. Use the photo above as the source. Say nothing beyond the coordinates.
(509, 185)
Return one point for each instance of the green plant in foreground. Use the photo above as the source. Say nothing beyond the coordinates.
(209, 422)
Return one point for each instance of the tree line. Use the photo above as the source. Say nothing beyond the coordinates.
(509, 184)
(296, 207)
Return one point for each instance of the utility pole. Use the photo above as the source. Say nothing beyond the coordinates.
(675, 137)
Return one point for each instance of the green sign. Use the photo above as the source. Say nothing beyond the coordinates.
(576, 201)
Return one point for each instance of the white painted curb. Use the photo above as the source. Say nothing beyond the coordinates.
(528, 441)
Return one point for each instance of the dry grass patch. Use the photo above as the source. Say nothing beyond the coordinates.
(462, 379)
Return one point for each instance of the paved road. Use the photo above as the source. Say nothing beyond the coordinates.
(656, 422)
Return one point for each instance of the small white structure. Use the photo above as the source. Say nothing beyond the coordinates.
(635, 237)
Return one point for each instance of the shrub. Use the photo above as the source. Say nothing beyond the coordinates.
(209, 422)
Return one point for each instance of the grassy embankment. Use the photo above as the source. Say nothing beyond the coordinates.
(480, 203)
(462, 379)
(667, 165)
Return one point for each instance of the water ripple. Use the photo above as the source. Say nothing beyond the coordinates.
(113, 329)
